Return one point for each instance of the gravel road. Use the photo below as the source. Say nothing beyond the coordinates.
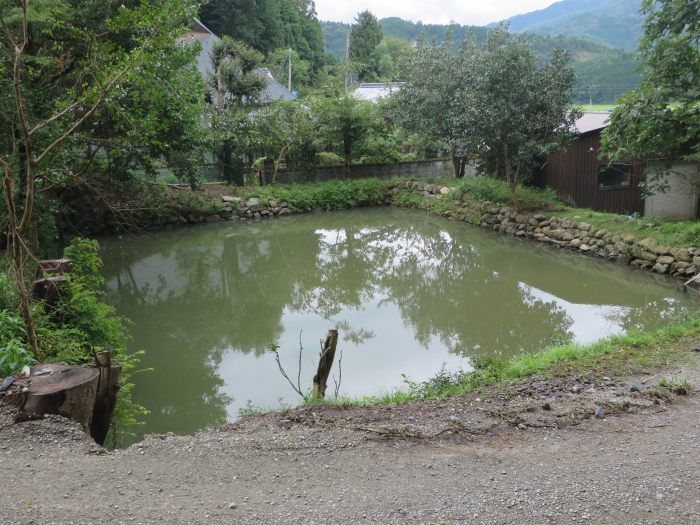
(635, 466)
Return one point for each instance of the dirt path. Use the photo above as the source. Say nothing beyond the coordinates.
(528, 455)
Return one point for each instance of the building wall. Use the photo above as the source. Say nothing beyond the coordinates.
(680, 201)
(435, 169)
(573, 174)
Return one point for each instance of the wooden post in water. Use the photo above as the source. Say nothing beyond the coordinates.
(325, 363)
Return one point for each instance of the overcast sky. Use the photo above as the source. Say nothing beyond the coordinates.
(466, 12)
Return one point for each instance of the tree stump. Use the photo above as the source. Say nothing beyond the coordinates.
(106, 397)
(325, 364)
(68, 391)
(49, 289)
(53, 267)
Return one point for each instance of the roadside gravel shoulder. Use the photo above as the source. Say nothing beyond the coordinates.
(533, 453)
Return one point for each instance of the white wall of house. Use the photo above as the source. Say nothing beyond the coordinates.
(680, 201)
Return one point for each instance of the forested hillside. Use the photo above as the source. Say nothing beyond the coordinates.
(614, 22)
(604, 72)
(270, 26)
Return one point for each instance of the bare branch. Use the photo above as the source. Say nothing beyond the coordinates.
(57, 116)
(284, 373)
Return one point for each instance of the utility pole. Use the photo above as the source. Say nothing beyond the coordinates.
(347, 61)
(289, 78)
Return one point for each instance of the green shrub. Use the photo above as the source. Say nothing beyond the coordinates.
(85, 254)
(327, 159)
(14, 353)
(8, 294)
(14, 356)
(485, 188)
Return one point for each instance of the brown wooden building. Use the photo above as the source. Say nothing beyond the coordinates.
(581, 180)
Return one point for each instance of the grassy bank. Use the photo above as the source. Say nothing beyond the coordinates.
(616, 356)
(680, 234)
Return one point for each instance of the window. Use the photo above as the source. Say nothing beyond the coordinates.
(615, 176)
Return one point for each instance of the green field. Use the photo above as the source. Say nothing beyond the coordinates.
(597, 107)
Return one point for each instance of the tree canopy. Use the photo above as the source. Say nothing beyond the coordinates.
(236, 92)
(661, 118)
(493, 102)
(366, 34)
(77, 88)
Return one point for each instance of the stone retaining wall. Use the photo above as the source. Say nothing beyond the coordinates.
(646, 254)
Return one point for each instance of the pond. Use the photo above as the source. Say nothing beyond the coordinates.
(410, 293)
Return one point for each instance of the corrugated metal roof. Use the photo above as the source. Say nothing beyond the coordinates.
(591, 121)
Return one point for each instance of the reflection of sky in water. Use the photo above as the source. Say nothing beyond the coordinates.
(416, 291)
(592, 322)
(589, 323)
(375, 366)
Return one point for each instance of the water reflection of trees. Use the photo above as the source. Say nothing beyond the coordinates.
(198, 292)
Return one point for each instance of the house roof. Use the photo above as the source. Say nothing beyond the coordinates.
(373, 91)
(201, 33)
(592, 121)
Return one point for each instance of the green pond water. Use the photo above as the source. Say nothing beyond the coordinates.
(409, 292)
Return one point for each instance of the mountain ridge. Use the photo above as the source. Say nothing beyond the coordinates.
(603, 72)
(614, 22)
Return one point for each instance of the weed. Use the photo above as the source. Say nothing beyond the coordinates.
(677, 385)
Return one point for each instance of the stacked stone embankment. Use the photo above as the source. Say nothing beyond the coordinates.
(646, 254)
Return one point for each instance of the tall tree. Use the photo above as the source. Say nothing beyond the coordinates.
(493, 102)
(428, 104)
(515, 110)
(236, 93)
(661, 118)
(61, 64)
(366, 34)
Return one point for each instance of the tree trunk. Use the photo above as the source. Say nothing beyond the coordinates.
(324, 364)
(459, 164)
(15, 242)
(106, 397)
(511, 178)
(347, 151)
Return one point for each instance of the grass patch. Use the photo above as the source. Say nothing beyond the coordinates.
(621, 353)
(496, 191)
(330, 195)
(677, 385)
(597, 108)
(673, 233)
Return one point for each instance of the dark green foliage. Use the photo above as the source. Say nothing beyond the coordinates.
(270, 25)
(661, 118)
(14, 353)
(344, 123)
(603, 72)
(365, 35)
(237, 92)
(331, 195)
